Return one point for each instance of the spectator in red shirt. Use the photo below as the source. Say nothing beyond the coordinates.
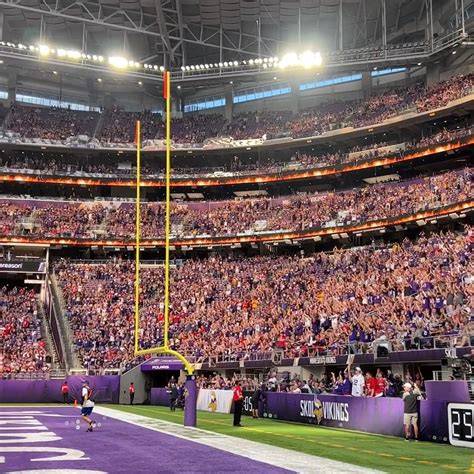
(370, 385)
(237, 398)
(380, 384)
(65, 392)
(281, 343)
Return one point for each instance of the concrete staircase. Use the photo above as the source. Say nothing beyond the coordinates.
(56, 370)
(100, 124)
(71, 358)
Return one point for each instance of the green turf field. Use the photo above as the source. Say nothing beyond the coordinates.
(384, 453)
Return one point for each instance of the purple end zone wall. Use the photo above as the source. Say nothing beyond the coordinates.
(105, 389)
(372, 415)
(159, 396)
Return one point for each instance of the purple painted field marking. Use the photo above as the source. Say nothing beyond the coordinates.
(48, 439)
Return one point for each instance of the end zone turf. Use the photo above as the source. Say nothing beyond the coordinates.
(51, 439)
(382, 453)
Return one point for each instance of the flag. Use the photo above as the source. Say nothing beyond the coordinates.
(166, 78)
(137, 132)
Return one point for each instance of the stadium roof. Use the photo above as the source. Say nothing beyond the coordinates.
(177, 32)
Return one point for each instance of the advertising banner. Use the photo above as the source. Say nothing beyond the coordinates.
(216, 401)
(372, 415)
(22, 266)
(162, 363)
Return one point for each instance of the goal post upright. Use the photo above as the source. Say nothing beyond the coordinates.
(191, 389)
(137, 236)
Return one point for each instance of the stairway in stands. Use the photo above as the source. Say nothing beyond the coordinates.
(56, 371)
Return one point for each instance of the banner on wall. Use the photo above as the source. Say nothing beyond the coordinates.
(22, 266)
(215, 401)
(161, 363)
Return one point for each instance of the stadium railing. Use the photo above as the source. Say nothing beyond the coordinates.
(26, 376)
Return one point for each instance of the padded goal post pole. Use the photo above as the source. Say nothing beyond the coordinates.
(190, 407)
(137, 236)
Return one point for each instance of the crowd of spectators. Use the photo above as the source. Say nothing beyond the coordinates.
(416, 294)
(236, 166)
(379, 150)
(218, 381)
(119, 125)
(50, 219)
(51, 123)
(194, 129)
(377, 383)
(22, 350)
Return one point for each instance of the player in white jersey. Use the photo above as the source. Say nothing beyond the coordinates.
(87, 405)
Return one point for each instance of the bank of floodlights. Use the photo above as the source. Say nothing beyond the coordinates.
(45, 51)
(306, 60)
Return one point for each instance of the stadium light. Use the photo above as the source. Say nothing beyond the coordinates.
(44, 50)
(119, 62)
(73, 54)
(307, 60)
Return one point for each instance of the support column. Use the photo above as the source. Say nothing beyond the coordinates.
(229, 102)
(12, 83)
(1, 26)
(109, 101)
(366, 84)
(432, 74)
(190, 406)
(295, 97)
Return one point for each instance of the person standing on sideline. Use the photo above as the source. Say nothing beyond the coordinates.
(87, 405)
(173, 391)
(131, 392)
(257, 397)
(65, 392)
(410, 416)
(238, 401)
(148, 386)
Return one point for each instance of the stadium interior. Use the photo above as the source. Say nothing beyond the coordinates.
(321, 226)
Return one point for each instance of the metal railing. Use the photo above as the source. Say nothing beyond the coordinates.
(27, 376)
(70, 356)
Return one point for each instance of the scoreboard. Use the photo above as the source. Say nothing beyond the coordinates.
(460, 424)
